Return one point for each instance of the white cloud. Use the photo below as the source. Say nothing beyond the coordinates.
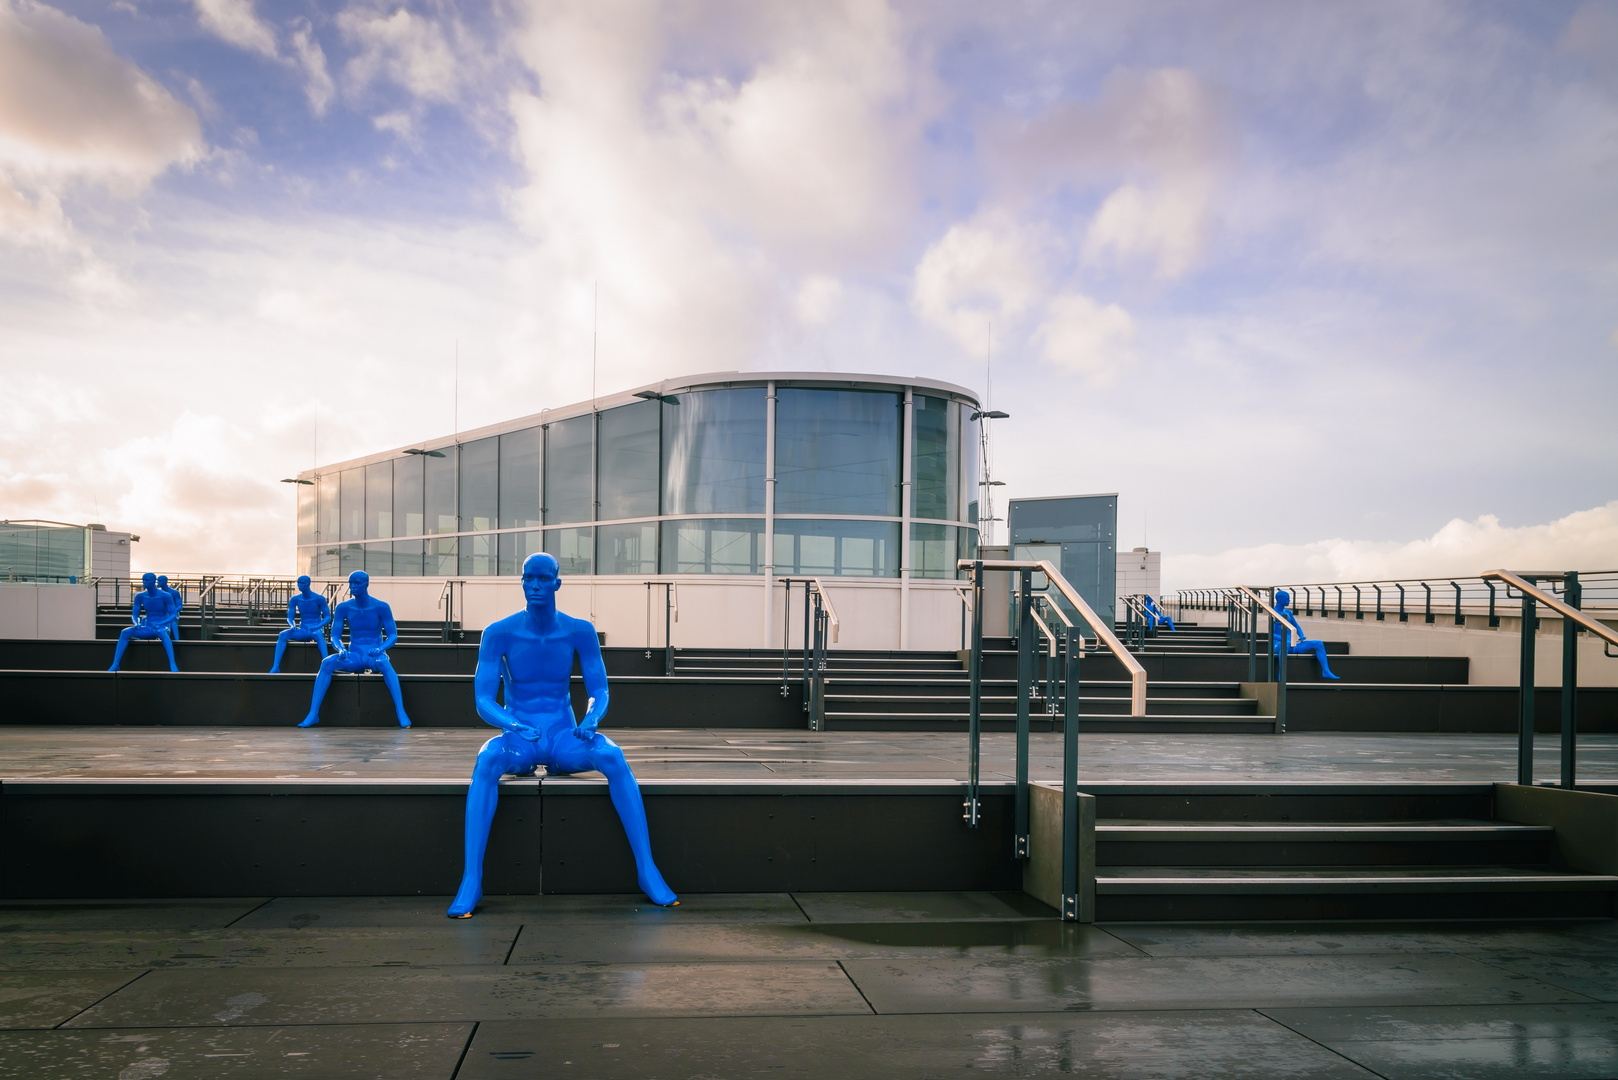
(1084, 337)
(1585, 540)
(236, 22)
(817, 300)
(311, 58)
(981, 270)
(404, 48)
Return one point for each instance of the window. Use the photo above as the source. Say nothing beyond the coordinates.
(407, 497)
(353, 498)
(379, 500)
(478, 555)
(848, 548)
(713, 452)
(407, 558)
(935, 550)
(379, 560)
(935, 453)
(519, 478)
(328, 518)
(970, 454)
(713, 546)
(441, 514)
(438, 557)
(573, 549)
(480, 484)
(837, 452)
(627, 549)
(570, 470)
(350, 557)
(307, 517)
(627, 472)
(515, 549)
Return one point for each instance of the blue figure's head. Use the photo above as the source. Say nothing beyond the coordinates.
(1283, 599)
(303, 584)
(149, 580)
(359, 583)
(541, 577)
(162, 581)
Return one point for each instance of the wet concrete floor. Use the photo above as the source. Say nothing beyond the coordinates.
(768, 985)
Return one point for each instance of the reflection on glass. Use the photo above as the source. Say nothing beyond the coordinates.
(514, 549)
(480, 484)
(970, 460)
(848, 548)
(627, 549)
(379, 560)
(438, 558)
(519, 478)
(713, 546)
(932, 551)
(350, 557)
(308, 562)
(379, 500)
(713, 452)
(325, 561)
(328, 518)
(837, 452)
(307, 494)
(936, 454)
(407, 558)
(478, 555)
(966, 546)
(573, 549)
(570, 470)
(627, 470)
(407, 496)
(353, 496)
(441, 512)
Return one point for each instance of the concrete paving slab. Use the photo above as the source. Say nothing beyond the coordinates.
(393, 911)
(1053, 985)
(458, 942)
(391, 1051)
(43, 999)
(1593, 972)
(910, 907)
(124, 914)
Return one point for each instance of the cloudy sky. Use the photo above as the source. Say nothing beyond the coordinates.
(1322, 289)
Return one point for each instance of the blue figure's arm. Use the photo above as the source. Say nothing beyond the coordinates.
(390, 631)
(491, 653)
(595, 678)
(134, 608)
(292, 611)
(338, 618)
(325, 611)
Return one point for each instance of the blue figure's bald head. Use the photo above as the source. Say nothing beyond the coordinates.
(541, 562)
(148, 579)
(1282, 598)
(541, 577)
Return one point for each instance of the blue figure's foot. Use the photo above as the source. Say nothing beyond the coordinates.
(1329, 675)
(113, 668)
(404, 721)
(276, 670)
(466, 901)
(310, 721)
(656, 889)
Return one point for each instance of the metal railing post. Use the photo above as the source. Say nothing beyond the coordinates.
(1525, 694)
(974, 714)
(668, 628)
(1281, 678)
(1025, 680)
(1572, 594)
(786, 635)
(1460, 619)
(808, 606)
(1252, 641)
(1071, 901)
(1428, 611)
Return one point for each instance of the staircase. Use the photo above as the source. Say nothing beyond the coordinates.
(237, 623)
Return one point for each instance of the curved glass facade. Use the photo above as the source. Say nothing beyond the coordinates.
(682, 483)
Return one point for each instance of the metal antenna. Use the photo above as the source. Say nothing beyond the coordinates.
(595, 333)
(457, 386)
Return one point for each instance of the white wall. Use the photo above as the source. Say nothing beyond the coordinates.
(109, 553)
(57, 612)
(1139, 572)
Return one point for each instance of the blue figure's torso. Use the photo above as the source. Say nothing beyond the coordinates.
(541, 665)
(151, 608)
(308, 612)
(368, 623)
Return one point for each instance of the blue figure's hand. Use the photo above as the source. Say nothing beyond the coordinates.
(585, 730)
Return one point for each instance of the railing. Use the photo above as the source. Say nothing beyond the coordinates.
(821, 627)
(1574, 622)
(1073, 649)
(671, 615)
(1138, 622)
(1276, 659)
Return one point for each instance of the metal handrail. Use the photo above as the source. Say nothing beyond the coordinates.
(1599, 629)
(831, 612)
(1294, 635)
(1050, 638)
(1054, 609)
(1137, 673)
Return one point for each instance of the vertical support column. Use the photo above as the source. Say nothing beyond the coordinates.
(769, 516)
(1025, 687)
(1078, 886)
(974, 717)
(1525, 694)
(1281, 676)
(906, 489)
(1571, 592)
(1252, 641)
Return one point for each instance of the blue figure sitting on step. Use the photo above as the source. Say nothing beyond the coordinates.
(1305, 644)
(307, 616)
(150, 613)
(371, 633)
(171, 625)
(1154, 614)
(530, 655)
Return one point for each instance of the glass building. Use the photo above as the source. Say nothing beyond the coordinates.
(780, 475)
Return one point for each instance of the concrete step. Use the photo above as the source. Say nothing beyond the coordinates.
(1426, 843)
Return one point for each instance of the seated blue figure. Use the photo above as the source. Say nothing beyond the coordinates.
(1155, 613)
(532, 653)
(307, 616)
(149, 613)
(1305, 645)
(171, 625)
(371, 633)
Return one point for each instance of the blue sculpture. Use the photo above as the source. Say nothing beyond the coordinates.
(531, 654)
(149, 613)
(172, 624)
(1155, 613)
(1305, 645)
(371, 633)
(307, 616)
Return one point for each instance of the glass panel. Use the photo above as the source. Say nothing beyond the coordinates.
(970, 461)
(350, 557)
(571, 548)
(325, 561)
(570, 470)
(480, 484)
(407, 558)
(713, 546)
(438, 559)
(353, 496)
(407, 496)
(936, 453)
(932, 551)
(440, 491)
(627, 549)
(519, 478)
(850, 548)
(713, 452)
(307, 562)
(307, 494)
(966, 546)
(379, 500)
(627, 473)
(478, 555)
(328, 517)
(515, 549)
(379, 560)
(837, 452)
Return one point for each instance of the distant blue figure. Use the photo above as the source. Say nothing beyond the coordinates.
(1279, 635)
(532, 654)
(371, 633)
(307, 616)
(171, 625)
(149, 613)
(1155, 613)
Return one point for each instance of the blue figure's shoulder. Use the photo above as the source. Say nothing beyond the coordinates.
(577, 628)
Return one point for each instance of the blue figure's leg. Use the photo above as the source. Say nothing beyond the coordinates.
(605, 756)
(280, 650)
(123, 643)
(168, 647)
(320, 640)
(493, 763)
(1319, 649)
(322, 681)
(1170, 624)
(392, 679)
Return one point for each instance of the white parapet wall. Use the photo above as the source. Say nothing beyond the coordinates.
(53, 612)
(1139, 572)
